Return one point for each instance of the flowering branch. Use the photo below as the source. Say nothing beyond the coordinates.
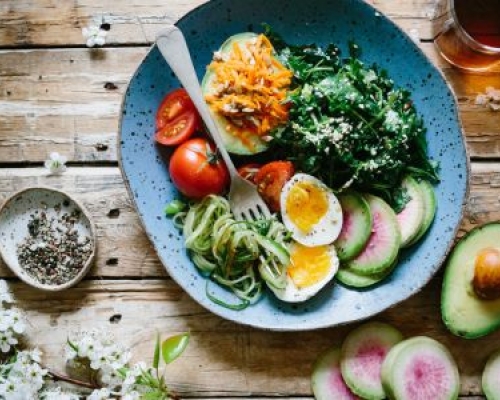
(94, 355)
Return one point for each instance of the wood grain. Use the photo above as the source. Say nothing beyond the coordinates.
(33, 23)
(223, 358)
(68, 100)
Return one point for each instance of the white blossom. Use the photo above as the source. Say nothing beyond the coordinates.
(22, 378)
(7, 340)
(490, 98)
(100, 394)
(5, 293)
(95, 35)
(57, 394)
(56, 164)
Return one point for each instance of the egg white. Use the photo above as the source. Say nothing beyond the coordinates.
(328, 227)
(293, 294)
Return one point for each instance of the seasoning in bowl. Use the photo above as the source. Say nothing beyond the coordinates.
(54, 252)
(46, 238)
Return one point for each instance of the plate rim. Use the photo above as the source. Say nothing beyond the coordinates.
(306, 326)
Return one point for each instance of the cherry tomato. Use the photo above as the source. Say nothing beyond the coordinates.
(196, 169)
(248, 171)
(176, 118)
(178, 130)
(270, 180)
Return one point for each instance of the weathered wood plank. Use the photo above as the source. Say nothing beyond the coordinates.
(51, 22)
(125, 251)
(224, 358)
(123, 248)
(68, 100)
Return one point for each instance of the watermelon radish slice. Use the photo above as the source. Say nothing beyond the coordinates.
(327, 381)
(420, 368)
(411, 218)
(430, 206)
(353, 279)
(356, 226)
(383, 245)
(491, 377)
(363, 352)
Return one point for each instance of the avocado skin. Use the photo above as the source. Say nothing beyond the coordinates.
(455, 269)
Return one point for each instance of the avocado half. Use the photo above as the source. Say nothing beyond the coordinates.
(233, 143)
(465, 314)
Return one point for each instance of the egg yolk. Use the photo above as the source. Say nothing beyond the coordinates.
(306, 204)
(308, 265)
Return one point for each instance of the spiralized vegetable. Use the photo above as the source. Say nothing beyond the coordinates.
(239, 255)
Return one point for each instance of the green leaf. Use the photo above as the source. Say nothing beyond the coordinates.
(174, 207)
(156, 357)
(173, 347)
(72, 345)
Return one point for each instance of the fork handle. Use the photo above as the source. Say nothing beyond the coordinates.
(173, 47)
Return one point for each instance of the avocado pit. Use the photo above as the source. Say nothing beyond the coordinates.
(486, 282)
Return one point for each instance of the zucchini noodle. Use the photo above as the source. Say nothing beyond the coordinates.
(239, 255)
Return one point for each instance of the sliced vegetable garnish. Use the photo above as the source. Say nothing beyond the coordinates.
(176, 118)
(250, 87)
(270, 179)
(233, 252)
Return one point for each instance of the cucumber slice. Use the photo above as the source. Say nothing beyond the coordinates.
(430, 206)
(233, 143)
(363, 352)
(420, 368)
(356, 226)
(383, 244)
(411, 218)
(491, 377)
(350, 278)
(327, 382)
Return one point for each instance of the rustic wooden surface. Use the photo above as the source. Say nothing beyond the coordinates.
(55, 96)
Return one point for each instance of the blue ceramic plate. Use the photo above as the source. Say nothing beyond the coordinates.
(321, 22)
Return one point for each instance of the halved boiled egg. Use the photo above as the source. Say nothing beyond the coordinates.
(310, 211)
(310, 269)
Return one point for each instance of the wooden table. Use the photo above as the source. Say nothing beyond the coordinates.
(57, 95)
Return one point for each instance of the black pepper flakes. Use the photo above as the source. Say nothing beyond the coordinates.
(54, 252)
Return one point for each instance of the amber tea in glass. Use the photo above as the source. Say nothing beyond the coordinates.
(470, 37)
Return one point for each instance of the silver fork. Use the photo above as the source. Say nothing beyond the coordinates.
(244, 199)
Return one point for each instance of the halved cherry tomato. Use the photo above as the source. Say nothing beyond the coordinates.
(178, 130)
(176, 118)
(248, 171)
(196, 170)
(270, 180)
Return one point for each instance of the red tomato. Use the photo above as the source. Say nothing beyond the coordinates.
(178, 130)
(248, 171)
(176, 118)
(270, 181)
(196, 170)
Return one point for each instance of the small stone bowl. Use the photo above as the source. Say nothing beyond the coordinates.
(14, 217)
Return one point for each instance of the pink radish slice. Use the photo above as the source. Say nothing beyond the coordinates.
(411, 218)
(356, 226)
(420, 369)
(363, 353)
(491, 377)
(327, 382)
(383, 244)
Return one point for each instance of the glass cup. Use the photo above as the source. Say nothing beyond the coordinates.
(469, 34)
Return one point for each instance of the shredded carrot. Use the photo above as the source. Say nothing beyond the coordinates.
(250, 89)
